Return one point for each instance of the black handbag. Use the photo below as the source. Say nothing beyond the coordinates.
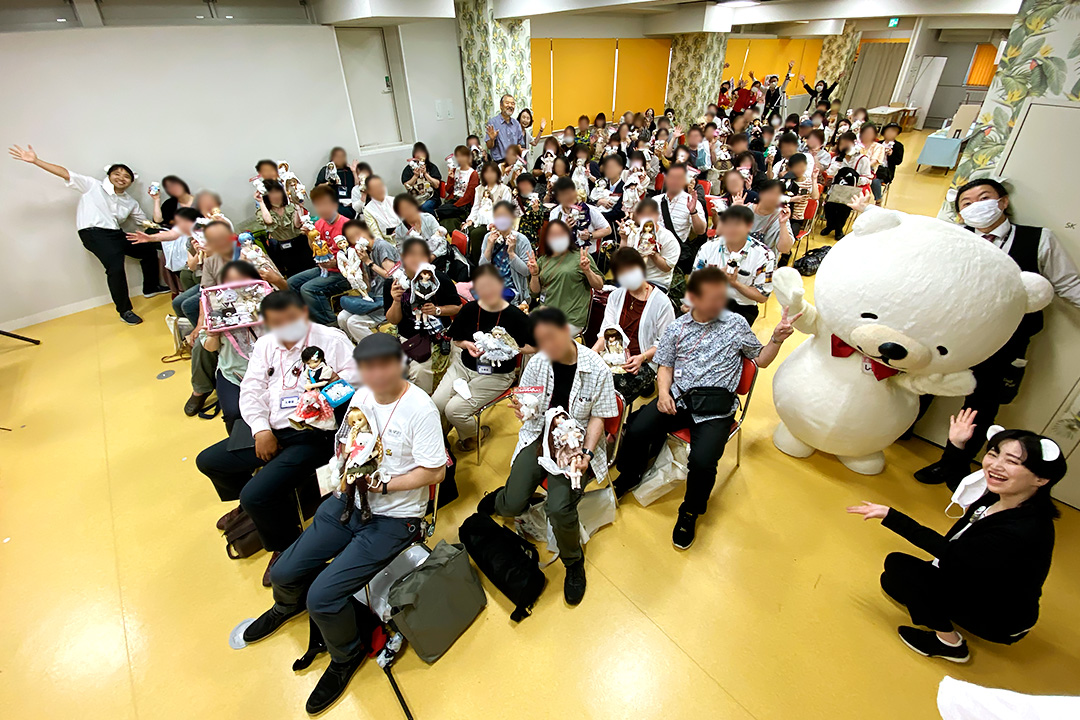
(709, 401)
(509, 561)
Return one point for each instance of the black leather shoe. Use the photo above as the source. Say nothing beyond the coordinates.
(682, 536)
(159, 290)
(332, 684)
(486, 506)
(574, 584)
(194, 404)
(267, 624)
(936, 473)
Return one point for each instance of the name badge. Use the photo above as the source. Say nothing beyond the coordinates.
(286, 245)
(341, 191)
(483, 368)
(677, 373)
(288, 402)
(867, 365)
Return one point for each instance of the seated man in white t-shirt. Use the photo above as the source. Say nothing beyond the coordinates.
(414, 458)
(749, 264)
(659, 264)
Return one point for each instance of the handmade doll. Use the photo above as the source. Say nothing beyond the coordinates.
(259, 184)
(564, 441)
(361, 455)
(314, 410)
(332, 176)
(511, 172)
(421, 189)
(295, 189)
(601, 194)
(615, 355)
(547, 161)
(155, 189)
(646, 240)
(321, 249)
(580, 176)
(497, 346)
(477, 155)
(424, 287)
(528, 399)
(401, 278)
(633, 188)
(254, 254)
(578, 220)
(351, 266)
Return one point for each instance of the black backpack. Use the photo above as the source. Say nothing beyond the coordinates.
(509, 561)
(809, 263)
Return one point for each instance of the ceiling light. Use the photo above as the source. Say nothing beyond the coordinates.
(61, 19)
(741, 3)
(199, 17)
(228, 17)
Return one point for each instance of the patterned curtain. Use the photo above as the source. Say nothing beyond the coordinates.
(495, 60)
(1041, 59)
(695, 74)
(837, 55)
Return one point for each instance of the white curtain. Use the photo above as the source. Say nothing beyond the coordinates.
(874, 76)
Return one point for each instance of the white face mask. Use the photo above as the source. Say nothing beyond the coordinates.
(982, 213)
(568, 139)
(775, 122)
(632, 279)
(558, 245)
(292, 332)
(967, 492)
(502, 222)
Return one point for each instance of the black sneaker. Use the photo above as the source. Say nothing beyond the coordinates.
(267, 624)
(928, 644)
(682, 536)
(486, 506)
(130, 318)
(194, 404)
(936, 473)
(839, 234)
(159, 290)
(332, 684)
(574, 584)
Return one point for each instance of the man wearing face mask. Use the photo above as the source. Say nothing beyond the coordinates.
(982, 205)
(774, 94)
(269, 393)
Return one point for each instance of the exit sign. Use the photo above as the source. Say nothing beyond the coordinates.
(893, 22)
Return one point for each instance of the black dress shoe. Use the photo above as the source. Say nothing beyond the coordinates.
(159, 290)
(267, 624)
(928, 644)
(130, 318)
(194, 404)
(332, 684)
(940, 472)
(574, 584)
(486, 506)
(682, 536)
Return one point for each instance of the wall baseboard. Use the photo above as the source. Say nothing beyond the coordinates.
(53, 313)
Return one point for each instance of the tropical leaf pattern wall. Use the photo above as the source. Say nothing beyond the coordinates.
(1041, 60)
(695, 73)
(495, 60)
(837, 55)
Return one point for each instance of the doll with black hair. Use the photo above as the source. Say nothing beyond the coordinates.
(314, 410)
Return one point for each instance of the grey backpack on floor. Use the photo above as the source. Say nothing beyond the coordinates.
(435, 603)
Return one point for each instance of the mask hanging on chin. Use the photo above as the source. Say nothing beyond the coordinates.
(292, 332)
(970, 489)
(981, 214)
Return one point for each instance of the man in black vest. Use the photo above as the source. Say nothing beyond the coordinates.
(982, 204)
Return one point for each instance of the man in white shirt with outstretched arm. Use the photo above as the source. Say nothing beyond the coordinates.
(383, 521)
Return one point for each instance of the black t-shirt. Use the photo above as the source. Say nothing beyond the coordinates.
(564, 381)
(407, 173)
(445, 295)
(472, 319)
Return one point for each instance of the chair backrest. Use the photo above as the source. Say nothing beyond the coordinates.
(615, 427)
(811, 209)
(461, 241)
(748, 377)
(612, 425)
(706, 186)
(659, 184)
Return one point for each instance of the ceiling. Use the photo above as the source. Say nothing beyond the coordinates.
(17, 15)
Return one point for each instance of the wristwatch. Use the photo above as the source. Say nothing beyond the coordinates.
(438, 310)
(590, 453)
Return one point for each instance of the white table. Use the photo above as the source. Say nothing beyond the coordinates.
(905, 116)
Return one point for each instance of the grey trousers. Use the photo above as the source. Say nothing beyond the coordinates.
(513, 499)
(359, 551)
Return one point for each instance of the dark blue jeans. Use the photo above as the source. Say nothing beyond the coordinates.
(317, 291)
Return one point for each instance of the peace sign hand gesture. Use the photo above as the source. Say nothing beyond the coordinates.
(534, 269)
(784, 328)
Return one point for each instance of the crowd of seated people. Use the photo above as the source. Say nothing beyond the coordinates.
(657, 233)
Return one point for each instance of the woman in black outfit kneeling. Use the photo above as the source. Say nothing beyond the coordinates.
(989, 569)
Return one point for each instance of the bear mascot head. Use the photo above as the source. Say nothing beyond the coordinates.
(905, 305)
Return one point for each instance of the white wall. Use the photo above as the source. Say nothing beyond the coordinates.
(63, 96)
(433, 74)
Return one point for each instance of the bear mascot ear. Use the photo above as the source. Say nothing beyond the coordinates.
(876, 219)
(1039, 291)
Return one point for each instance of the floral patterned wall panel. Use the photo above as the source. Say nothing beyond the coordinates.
(1041, 60)
(695, 74)
(837, 54)
(495, 59)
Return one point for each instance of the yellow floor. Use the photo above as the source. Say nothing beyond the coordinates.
(118, 596)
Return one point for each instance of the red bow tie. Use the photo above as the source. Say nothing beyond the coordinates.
(842, 349)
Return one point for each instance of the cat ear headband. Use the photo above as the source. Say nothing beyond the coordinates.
(1049, 448)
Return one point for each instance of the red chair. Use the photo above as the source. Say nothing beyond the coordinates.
(492, 403)
(659, 184)
(743, 391)
(461, 242)
(705, 185)
(809, 217)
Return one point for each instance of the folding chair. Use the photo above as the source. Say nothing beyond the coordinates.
(745, 389)
(810, 214)
(492, 403)
(460, 241)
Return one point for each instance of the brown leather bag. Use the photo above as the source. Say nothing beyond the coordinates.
(418, 347)
(241, 537)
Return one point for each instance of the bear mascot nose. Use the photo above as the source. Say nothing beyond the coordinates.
(892, 351)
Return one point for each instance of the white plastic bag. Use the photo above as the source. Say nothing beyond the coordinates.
(665, 475)
(595, 510)
(959, 700)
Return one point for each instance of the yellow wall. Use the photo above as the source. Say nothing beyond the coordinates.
(584, 77)
(541, 82)
(642, 75)
(768, 57)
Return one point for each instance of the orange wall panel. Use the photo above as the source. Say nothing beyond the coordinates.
(642, 75)
(541, 81)
(584, 78)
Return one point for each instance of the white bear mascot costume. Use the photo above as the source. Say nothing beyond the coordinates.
(906, 304)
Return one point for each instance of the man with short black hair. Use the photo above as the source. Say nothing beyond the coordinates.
(748, 264)
(266, 441)
(771, 218)
(574, 378)
(319, 284)
(700, 358)
(360, 533)
(585, 220)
